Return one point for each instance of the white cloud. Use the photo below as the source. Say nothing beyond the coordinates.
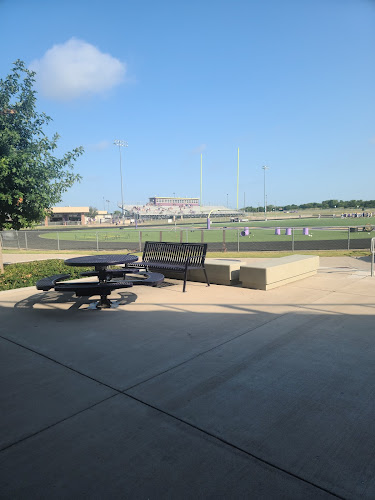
(200, 149)
(99, 146)
(76, 68)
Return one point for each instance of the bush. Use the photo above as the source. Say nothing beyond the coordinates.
(28, 273)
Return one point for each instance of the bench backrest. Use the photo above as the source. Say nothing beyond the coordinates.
(175, 253)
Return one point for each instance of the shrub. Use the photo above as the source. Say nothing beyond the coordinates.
(28, 273)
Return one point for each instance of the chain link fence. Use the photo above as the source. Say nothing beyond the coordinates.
(226, 239)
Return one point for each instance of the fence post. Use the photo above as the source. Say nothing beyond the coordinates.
(224, 245)
(26, 240)
(97, 242)
(292, 239)
(58, 241)
(1, 257)
(238, 240)
(18, 240)
(348, 238)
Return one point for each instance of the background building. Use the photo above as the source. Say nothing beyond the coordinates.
(161, 201)
(75, 216)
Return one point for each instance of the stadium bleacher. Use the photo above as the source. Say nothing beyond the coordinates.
(149, 211)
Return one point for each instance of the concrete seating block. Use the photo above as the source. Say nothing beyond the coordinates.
(271, 273)
(219, 272)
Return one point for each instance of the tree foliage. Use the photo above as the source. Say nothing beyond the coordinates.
(326, 204)
(32, 179)
(93, 212)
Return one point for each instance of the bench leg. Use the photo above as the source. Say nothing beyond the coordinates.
(185, 277)
(205, 273)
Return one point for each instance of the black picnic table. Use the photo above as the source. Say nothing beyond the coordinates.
(101, 263)
(107, 277)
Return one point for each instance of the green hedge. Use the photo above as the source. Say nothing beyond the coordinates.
(28, 273)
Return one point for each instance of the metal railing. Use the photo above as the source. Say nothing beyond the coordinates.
(225, 239)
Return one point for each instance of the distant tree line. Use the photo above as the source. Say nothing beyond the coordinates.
(351, 204)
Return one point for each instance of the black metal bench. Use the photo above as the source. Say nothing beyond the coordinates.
(46, 284)
(176, 257)
(95, 288)
(111, 273)
(146, 278)
(102, 288)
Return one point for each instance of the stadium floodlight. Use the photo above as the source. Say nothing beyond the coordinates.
(265, 196)
(121, 144)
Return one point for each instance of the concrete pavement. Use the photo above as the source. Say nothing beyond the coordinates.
(220, 392)
(14, 258)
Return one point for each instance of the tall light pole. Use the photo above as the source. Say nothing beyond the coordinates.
(238, 173)
(200, 200)
(121, 144)
(265, 196)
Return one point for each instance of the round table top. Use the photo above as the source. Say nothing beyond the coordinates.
(101, 260)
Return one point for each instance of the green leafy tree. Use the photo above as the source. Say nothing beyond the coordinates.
(93, 212)
(1, 259)
(32, 179)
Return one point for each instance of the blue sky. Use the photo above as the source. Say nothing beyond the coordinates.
(290, 83)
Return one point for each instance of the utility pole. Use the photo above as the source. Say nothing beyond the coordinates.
(238, 172)
(121, 144)
(265, 196)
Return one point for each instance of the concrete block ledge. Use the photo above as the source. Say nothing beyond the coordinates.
(219, 272)
(271, 273)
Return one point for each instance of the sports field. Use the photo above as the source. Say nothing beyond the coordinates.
(318, 229)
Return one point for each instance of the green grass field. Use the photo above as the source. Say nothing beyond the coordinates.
(320, 229)
(227, 255)
(311, 222)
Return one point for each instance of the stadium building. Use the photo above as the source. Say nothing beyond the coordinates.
(161, 201)
(166, 207)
